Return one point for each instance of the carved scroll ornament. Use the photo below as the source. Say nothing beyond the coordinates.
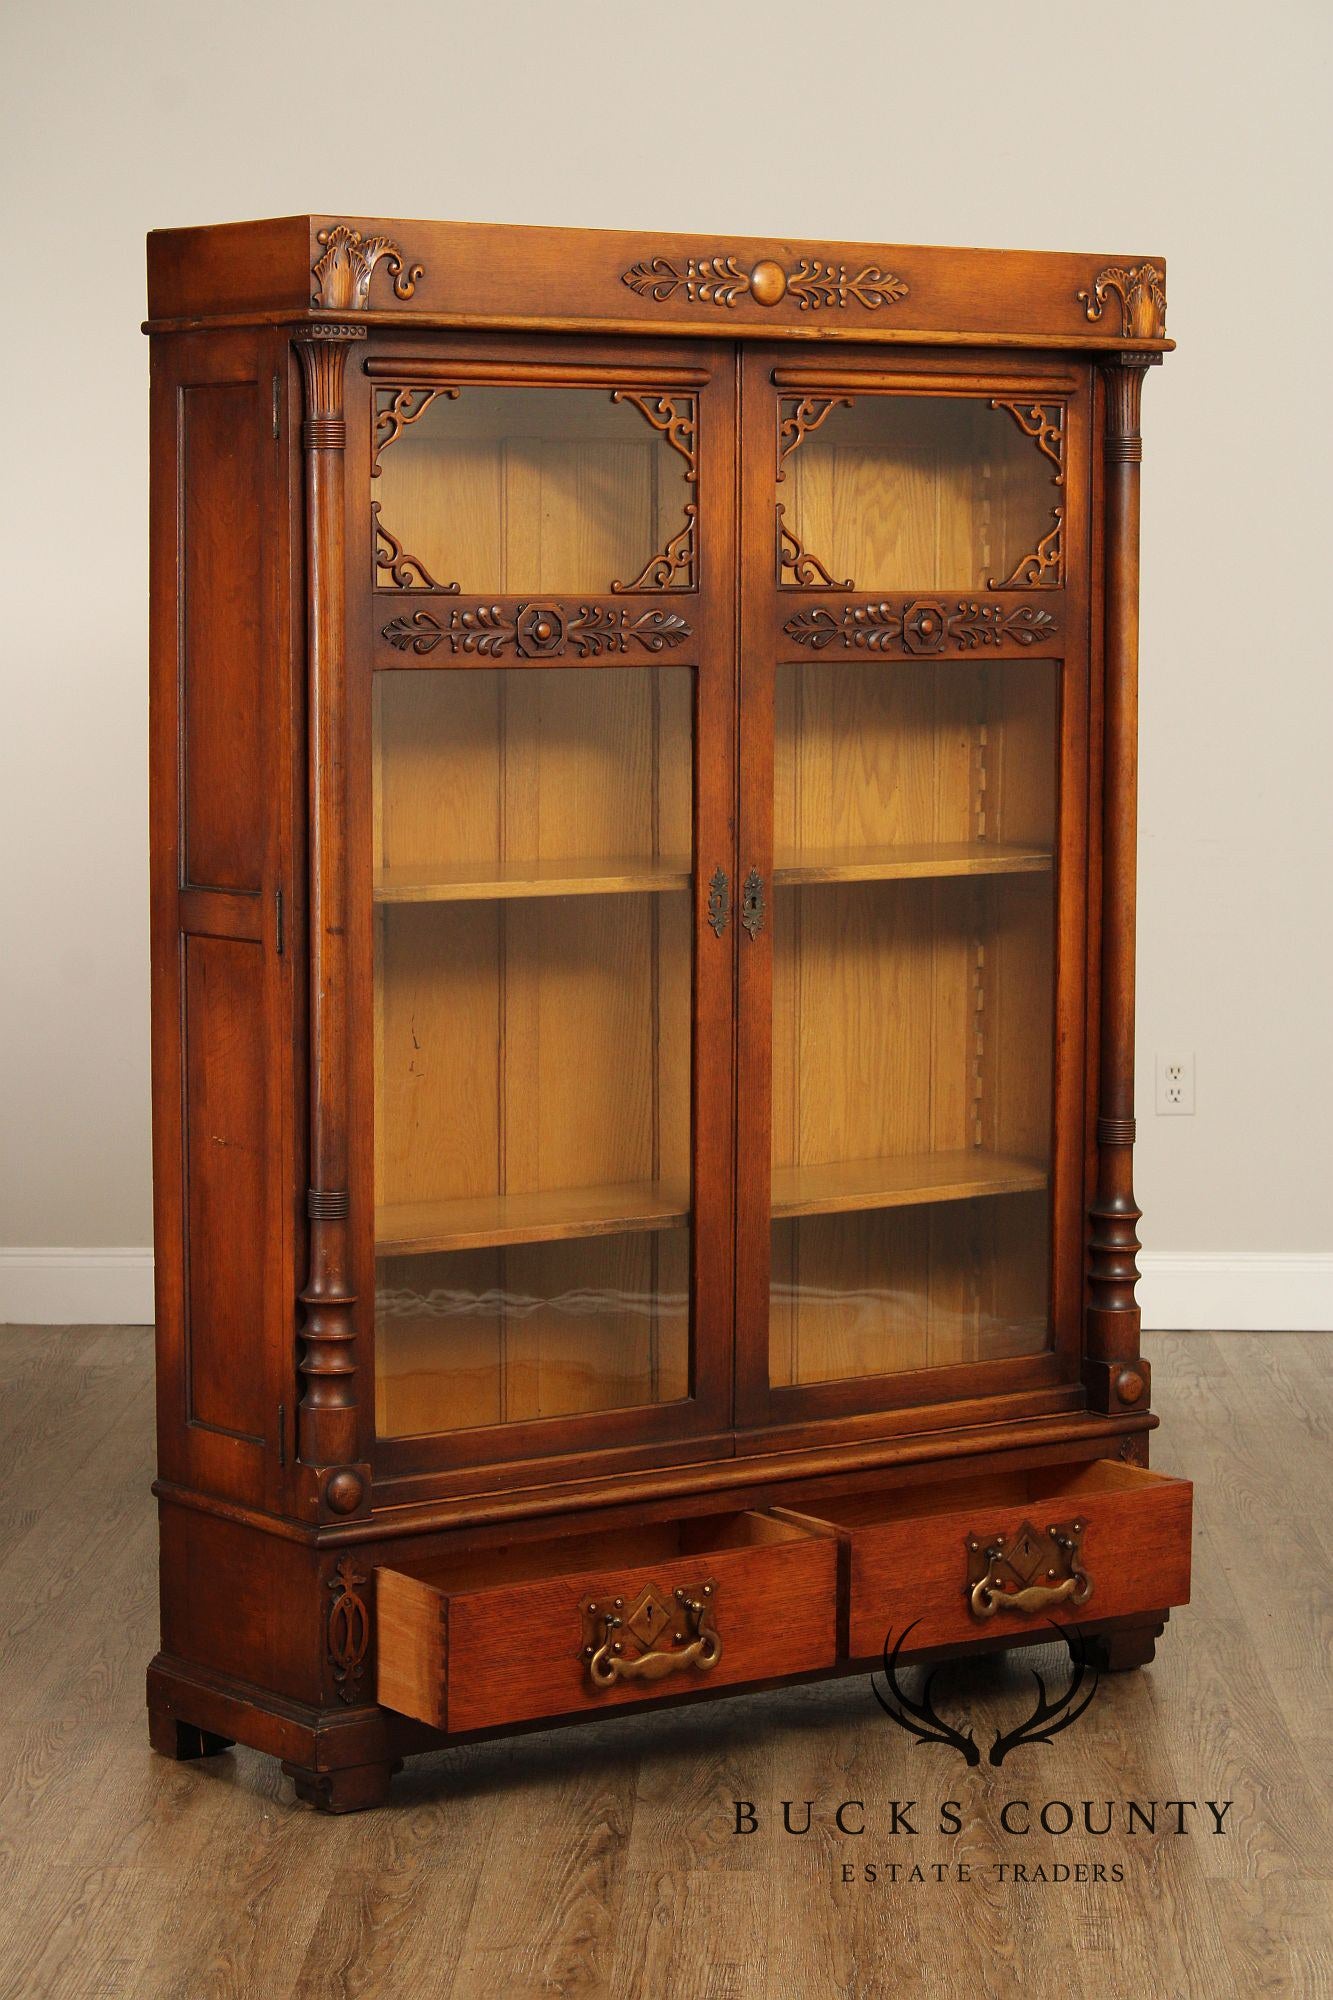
(537, 631)
(349, 1630)
(676, 419)
(721, 281)
(926, 625)
(1044, 569)
(1140, 291)
(343, 273)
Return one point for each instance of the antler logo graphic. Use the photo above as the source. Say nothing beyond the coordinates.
(921, 1719)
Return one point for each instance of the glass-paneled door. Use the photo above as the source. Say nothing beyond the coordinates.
(549, 764)
(912, 720)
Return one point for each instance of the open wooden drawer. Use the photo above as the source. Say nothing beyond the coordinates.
(579, 1624)
(999, 1554)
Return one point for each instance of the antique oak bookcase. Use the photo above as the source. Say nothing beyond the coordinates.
(643, 758)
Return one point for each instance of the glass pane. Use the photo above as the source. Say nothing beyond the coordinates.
(919, 493)
(532, 990)
(913, 995)
(527, 489)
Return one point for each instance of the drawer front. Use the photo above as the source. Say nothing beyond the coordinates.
(998, 1569)
(583, 1643)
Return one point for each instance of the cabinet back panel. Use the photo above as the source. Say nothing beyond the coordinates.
(531, 1330)
(888, 1290)
(918, 493)
(530, 489)
(895, 754)
(534, 1044)
(533, 764)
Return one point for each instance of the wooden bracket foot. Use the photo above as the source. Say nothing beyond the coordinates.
(182, 1741)
(352, 1789)
(1127, 1647)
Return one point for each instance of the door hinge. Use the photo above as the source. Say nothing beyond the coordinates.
(282, 1434)
(279, 927)
(277, 406)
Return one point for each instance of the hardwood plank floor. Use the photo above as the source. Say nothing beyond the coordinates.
(601, 1860)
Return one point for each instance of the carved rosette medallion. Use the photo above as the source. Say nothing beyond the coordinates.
(349, 1630)
(342, 275)
(725, 279)
(537, 631)
(1140, 293)
(926, 625)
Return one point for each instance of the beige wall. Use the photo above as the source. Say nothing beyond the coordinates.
(1198, 131)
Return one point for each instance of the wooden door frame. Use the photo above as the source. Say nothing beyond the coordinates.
(766, 374)
(512, 1453)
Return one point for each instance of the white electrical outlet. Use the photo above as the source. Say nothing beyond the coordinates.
(1175, 1086)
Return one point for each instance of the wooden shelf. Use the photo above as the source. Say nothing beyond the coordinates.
(486, 881)
(912, 1181)
(889, 864)
(481, 1222)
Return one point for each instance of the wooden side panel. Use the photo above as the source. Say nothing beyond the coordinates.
(243, 1603)
(221, 805)
(413, 1622)
(221, 608)
(229, 1178)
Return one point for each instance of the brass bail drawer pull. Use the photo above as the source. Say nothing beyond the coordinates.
(1003, 1570)
(648, 1617)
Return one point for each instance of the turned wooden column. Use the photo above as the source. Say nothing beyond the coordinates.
(1116, 1378)
(327, 1414)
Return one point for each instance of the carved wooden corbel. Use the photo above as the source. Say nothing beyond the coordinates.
(1140, 291)
(342, 275)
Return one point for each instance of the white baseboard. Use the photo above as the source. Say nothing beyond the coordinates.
(76, 1287)
(1250, 1291)
(1241, 1291)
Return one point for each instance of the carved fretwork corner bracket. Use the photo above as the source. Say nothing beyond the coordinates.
(342, 275)
(1139, 291)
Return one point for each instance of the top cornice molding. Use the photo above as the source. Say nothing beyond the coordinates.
(391, 271)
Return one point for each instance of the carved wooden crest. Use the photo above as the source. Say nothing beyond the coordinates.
(343, 273)
(722, 280)
(1140, 291)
